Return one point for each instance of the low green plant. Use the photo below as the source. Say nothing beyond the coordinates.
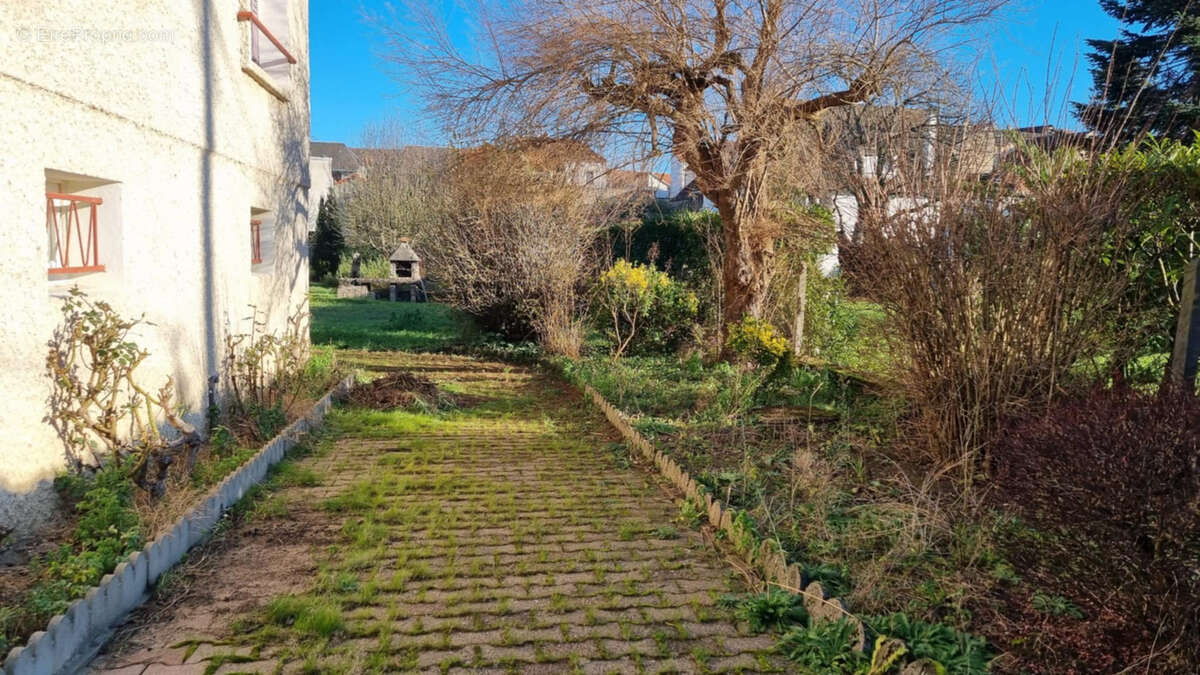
(825, 647)
(268, 419)
(842, 331)
(666, 532)
(744, 537)
(1055, 605)
(106, 531)
(956, 651)
(691, 514)
(209, 473)
(774, 610)
(221, 441)
(8, 620)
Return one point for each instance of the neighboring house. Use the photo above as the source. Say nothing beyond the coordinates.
(405, 159)
(321, 172)
(688, 196)
(344, 162)
(879, 150)
(681, 177)
(575, 159)
(331, 166)
(178, 131)
(654, 185)
(875, 151)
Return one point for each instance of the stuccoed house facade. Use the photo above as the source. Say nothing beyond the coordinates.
(155, 154)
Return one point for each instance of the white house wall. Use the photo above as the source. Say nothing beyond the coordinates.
(153, 96)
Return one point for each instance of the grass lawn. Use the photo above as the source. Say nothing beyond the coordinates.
(355, 323)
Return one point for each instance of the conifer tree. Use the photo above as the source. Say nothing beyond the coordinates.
(328, 241)
(1147, 80)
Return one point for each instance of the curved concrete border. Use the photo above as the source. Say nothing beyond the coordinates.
(73, 637)
(764, 556)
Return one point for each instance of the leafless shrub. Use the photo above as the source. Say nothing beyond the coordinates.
(513, 243)
(995, 289)
(264, 374)
(96, 404)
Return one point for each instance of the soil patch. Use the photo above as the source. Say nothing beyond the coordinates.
(406, 390)
(233, 574)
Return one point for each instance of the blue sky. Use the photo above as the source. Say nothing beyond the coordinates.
(351, 87)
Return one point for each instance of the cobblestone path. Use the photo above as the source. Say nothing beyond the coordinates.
(511, 535)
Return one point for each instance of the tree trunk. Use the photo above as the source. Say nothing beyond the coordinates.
(801, 308)
(747, 262)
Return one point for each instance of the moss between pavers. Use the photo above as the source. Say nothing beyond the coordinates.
(498, 536)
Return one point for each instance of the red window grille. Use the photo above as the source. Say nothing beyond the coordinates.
(75, 247)
(255, 242)
(259, 28)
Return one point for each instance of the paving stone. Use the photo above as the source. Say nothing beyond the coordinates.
(134, 669)
(510, 541)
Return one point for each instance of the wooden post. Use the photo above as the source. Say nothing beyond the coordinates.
(801, 308)
(392, 292)
(1187, 333)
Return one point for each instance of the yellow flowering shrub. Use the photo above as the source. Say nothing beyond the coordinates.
(644, 310)
(756, 340)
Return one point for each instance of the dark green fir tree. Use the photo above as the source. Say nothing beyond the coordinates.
(327, 240)
(1147, 80)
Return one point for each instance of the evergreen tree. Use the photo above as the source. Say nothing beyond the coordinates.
(1148, 79)
(328, 241)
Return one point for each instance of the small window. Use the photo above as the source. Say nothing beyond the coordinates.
(73, 238)
(262, 240)
(269, 53)
(83, 225)
(255, 241)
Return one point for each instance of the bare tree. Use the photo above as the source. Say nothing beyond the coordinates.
(389, 198)
(724, 85)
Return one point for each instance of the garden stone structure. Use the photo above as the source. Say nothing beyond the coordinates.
(155, 154)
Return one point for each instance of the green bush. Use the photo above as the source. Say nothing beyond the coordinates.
(369, 267)
(674, 241)
(840, 330)
(1163, 198)
(644, 310)
(106, 531)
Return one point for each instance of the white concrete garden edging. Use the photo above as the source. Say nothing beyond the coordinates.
(73, 637)
(765, 557)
